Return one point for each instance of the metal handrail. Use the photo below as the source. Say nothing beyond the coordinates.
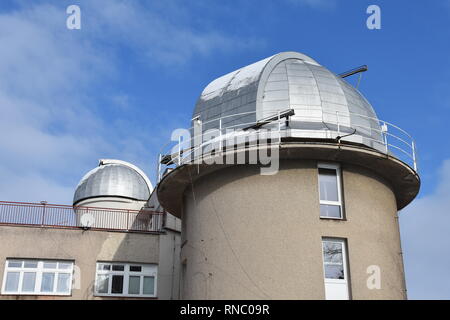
(65, 216)
(182, 156)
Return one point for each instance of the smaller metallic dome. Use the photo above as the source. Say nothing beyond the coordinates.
(114, 178)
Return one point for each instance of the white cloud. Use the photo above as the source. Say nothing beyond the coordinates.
(32, 187)
(41, 134)
(50, 129)
(162, 35)
(425, 229)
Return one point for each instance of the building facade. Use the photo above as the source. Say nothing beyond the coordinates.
(323, 224)
(288, 187)
(115, 242)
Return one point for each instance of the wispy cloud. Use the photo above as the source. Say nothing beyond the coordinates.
(425, 229)
(165, 35)
(41, 134)
(51, 128)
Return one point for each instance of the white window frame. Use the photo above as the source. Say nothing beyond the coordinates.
(39, 271)
(152, 271)
(337, 167)
(342, 242)
(346, 280)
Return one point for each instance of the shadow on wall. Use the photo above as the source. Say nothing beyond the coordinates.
(161, 250)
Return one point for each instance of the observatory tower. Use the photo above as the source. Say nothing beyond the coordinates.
(324, 225)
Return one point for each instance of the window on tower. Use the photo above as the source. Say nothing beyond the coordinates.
(335, 269)
(330, 191)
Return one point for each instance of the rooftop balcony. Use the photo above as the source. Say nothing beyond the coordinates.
(80, 217)
(241, 131)
(291, 134)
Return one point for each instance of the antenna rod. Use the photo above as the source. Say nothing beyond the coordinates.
(362, 68)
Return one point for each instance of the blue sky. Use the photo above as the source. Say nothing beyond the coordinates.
(120, 85)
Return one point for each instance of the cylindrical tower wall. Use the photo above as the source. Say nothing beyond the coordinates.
(252, 236)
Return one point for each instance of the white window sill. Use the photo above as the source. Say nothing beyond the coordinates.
(331, 218)
(36, 294)
(108, 295)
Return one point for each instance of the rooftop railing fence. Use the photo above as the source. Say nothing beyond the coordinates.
(382, 135)
(93, 218)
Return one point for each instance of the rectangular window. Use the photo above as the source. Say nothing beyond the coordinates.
(335, 269)
(37, 277)
(330, 191)
(333, 261)
(134, 285)
(117, 284)
(64, 282)
(48, 280)
(123, 279)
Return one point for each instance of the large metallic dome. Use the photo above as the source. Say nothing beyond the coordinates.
(114, 178)
(323, 102)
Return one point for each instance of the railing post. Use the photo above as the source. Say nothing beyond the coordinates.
(384, 129)
(179, 150)
(413, 145)
(128, 220)
(159, 168)
(338, 124)
(43, 212)
(279, 127)
(220, 136)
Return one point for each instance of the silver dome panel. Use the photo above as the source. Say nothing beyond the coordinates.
(112, 179)
(290, 80)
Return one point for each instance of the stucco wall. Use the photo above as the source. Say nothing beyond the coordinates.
(248, 236)
(85, 248)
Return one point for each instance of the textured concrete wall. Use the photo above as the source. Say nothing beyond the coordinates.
(86, 248)
(248, 236)
(169, 266)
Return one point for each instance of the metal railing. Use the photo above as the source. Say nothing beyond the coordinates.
(342, 126)
(92, 218)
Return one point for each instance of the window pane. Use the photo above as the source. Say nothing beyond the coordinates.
(50, 265)
(117, 284)
(333, 260)
(64, 265)
(29, 280)
(63, 285)
(30, 264)
(102, 283)
(135, 268)
(47, 282)
(331, 211)
(149, 285)
(15, 264)
(134, 285)
(328, 184)
(118, 267)
(12, 281)
(332, 252)
(334, 272)
(104, 267)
